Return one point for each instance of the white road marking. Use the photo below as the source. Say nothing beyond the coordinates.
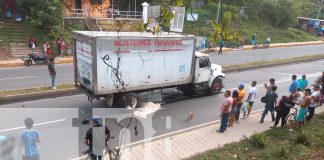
(2, 79)
(35, 125)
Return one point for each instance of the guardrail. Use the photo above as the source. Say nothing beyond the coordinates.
(119, 14)
(75, 13)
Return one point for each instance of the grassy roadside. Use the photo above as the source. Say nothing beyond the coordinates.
(306, 143)
(5, 93)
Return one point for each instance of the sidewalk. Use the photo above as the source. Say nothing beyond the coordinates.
(19, 62)
(197, 141)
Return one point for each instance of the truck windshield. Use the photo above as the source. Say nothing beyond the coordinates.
(204, 63)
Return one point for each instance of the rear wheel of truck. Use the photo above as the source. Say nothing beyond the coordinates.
(216, 86)
(123, 100)
(109, 100)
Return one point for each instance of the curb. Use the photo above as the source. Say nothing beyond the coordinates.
(38, 95)
(275, 45)
(186, 130)
(18, 64)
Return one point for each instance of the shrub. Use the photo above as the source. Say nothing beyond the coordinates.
(280, 151)
(302, 139)
(259, 140)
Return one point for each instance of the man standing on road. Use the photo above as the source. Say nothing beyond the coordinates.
(302, 83)
(225, 109)
(221, 45)
(96, 138)
(240, 101)
(293, 86)
(250, 99)
(52, 72)
(315, 100)
(271, 102)
(269, 87)
(30, 138)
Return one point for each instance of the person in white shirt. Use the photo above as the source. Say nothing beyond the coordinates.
(251, 96)
(314, 103)
(299, 96)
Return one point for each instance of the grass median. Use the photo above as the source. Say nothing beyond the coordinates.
(273, 62)
(5, 93)
(306, 143)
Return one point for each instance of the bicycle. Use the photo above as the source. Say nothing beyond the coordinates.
(291, 118)
(113, 153)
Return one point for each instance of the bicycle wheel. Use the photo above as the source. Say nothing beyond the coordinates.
(290, 120)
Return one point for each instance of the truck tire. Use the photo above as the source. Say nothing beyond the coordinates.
(216, 86)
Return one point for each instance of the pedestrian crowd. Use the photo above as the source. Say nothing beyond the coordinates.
(300, 94)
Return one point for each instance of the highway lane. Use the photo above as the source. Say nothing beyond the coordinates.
(22, 77)
(172, 117)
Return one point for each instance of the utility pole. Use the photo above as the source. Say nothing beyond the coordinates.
(219, 2)
(319, 11)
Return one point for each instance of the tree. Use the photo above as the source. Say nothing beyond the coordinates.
(223, 30)
(44, 14)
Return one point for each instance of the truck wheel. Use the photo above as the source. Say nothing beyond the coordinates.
(28, 62)
(215, 87)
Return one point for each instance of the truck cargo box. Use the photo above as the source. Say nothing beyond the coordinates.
(112, 62)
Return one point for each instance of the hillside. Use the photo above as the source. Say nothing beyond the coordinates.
(262, 18)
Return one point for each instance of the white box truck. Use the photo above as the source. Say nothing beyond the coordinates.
(110, 64)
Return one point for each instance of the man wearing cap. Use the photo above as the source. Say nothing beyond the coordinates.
(314, 102)
(241, 94)
(96, 138)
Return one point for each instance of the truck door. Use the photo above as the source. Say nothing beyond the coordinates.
(202, 72)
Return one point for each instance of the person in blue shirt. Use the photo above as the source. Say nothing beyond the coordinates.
(293, 86)
(253, 40)
(302, 83)
(221, 45)
(30, 138)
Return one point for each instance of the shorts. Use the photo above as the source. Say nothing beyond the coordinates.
(251, 104)
(34, 157)
(234, 109)
(301, 114)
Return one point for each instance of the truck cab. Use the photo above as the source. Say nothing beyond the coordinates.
(208, 77)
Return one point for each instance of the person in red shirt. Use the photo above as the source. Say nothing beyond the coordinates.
(49, 52)
(225, 110)
(32, 42)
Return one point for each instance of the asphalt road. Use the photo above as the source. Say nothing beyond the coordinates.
(60, 136)
(22, 77)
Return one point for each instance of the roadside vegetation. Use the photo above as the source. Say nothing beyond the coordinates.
(262, 17)
(279, 144)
